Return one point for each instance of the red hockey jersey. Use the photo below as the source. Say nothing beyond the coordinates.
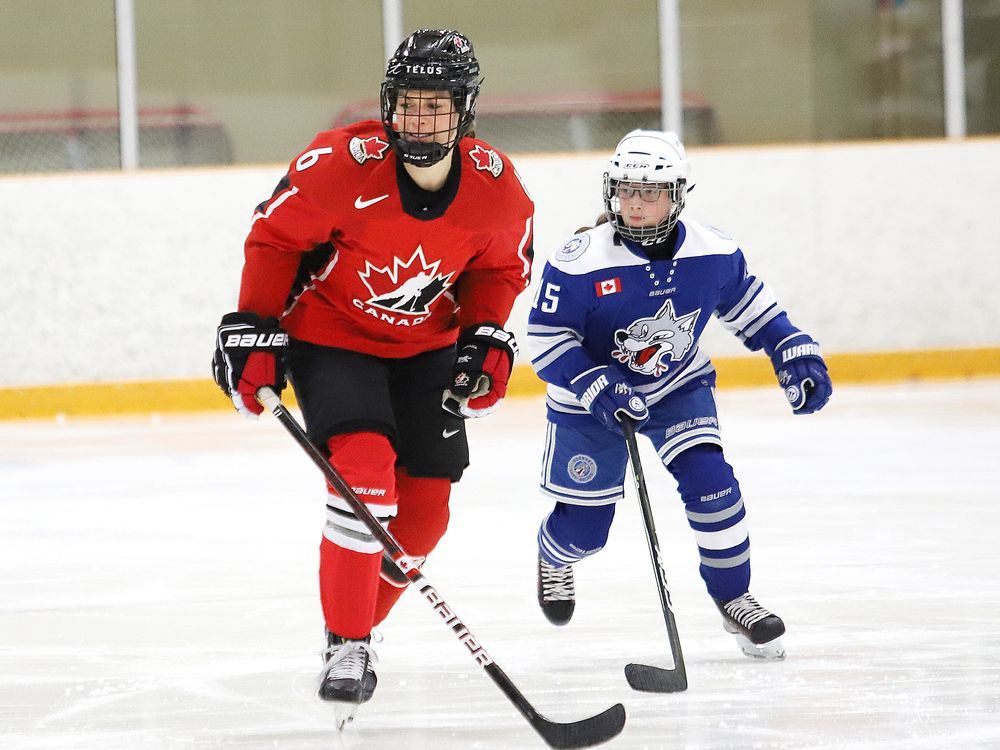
(341, 256)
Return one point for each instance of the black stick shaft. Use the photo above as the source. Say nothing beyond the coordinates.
(569, 735)
(659, 570)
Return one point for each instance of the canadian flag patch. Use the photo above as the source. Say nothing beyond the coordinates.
(608, 286)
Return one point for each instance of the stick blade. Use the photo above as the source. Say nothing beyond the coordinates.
(650, 679)
(583, 733)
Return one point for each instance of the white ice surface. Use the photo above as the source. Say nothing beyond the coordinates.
(158, 576)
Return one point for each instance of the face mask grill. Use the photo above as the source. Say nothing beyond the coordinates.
(619, 194)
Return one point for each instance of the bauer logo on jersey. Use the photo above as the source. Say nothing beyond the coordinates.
(648, 343)
(408, 288)
(608, 286)
(363, 149)
(487, 160)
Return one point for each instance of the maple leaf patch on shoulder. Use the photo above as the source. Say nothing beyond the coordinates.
(363, 149)
(486, 160)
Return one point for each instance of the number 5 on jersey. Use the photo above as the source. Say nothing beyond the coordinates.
(547, 298)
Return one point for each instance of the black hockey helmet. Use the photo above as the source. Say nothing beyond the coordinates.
(431, 60)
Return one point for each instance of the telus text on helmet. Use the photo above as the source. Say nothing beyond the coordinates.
(427, 70)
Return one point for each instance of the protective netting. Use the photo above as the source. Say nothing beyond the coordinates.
(87, 139)
(586, 122)
(183, 136)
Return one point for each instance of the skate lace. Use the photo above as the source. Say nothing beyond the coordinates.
(347, 661)
(557, 583)
(746, 611)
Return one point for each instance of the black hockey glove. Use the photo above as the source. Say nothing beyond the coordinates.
(249, 354)
(483, 361)
(802, 373)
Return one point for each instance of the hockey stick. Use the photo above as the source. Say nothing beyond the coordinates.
(643, 676)
(583, 733)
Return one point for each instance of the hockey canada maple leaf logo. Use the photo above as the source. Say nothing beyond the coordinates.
(648, 343)
(408, 287)
(487, 160)
(363, 149)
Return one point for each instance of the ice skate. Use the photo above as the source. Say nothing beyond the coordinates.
(556, 595)
(758, 631)
(348, 677)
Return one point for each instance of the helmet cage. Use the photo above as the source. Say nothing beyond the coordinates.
(651, 235)
(652, 162)
(431, 61)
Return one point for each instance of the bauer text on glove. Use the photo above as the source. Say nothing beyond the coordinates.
(249, 354)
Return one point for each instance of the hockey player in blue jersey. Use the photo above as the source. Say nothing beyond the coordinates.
(614, 331)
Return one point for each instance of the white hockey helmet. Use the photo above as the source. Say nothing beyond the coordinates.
(656, 158)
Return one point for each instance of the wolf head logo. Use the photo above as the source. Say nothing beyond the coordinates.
(648, 343)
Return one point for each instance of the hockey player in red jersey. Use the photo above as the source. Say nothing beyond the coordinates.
(384, 245)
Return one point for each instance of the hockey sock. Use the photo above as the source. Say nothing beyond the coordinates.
(571, 532)
(714, 507)
(348, 582)
(349, 555)
(420, 522)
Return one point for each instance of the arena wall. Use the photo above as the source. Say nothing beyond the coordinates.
(114, 283)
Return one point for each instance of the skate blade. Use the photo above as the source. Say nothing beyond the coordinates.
(770, 651)
(344, 713)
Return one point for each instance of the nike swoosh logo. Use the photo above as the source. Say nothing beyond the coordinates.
(449, 433)
(359, 203)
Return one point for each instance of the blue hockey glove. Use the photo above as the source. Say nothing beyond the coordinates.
(608, 397)
(802, 373)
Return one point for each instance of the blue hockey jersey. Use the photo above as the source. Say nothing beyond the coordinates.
(602, 301)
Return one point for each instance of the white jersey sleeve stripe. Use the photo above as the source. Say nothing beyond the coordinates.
(739, 306)
(772, 312)
(759, 306)
(520, 249)
(546, 344)
(537, 329)
(585, 373)
(547, 358)
(540, 344)
(561, 400)
(274, 204)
